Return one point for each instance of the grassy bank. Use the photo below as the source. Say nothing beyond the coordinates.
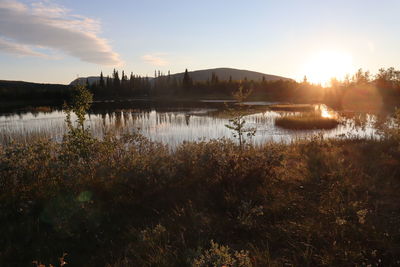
(306, 121)
(292, 107)
(131, 202)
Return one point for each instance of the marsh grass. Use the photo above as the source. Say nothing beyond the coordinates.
(292, 107)
(306, 121)
(229, 113)
(44, 109)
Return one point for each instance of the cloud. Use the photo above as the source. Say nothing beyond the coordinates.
(51, 26)
(155, 59)
(19, 50)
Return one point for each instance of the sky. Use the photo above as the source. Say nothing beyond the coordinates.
(55, 41)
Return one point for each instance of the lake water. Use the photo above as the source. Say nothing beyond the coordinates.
(172, 123)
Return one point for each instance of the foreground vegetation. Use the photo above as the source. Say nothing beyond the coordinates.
(132, 202)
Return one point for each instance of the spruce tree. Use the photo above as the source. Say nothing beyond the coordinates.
(117, 81)
(101, 83)
(187, 81)
(132, 82)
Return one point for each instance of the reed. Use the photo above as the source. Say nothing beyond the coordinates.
(306, 121)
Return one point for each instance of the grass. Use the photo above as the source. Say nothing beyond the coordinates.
(292, 107)
(44, 109)
(306, 121)
(246, 111)
(133, 202)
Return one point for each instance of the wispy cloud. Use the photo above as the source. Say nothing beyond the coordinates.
(47, 25)
(19, 50)
(155, 59)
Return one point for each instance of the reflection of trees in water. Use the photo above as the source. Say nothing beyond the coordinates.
(361, 122)
(187, 119)
(170, 118)
(174, 126)
(126, 115)
(103, 119)
(117, 121)
(381, 122)
(262, 118)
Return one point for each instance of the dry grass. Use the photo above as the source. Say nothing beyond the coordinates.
(292, 107)
(306, 121)
(132, 202)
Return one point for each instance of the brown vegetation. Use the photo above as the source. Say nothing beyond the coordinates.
(306, 121)
(292, 107)
(132, 202)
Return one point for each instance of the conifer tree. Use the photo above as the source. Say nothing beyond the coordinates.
(123, 78)
(101, 83)
(132, 82)
(116, 79)
(187, 81)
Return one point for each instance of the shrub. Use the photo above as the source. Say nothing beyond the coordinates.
(219, 255)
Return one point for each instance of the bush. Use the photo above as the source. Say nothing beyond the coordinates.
(219, 255)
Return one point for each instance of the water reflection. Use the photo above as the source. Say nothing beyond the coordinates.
(174, 125)
(325, 111)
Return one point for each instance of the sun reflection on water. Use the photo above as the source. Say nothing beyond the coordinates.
(326, 112)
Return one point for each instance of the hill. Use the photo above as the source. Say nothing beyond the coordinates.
(225, 73)
(29, 90)
(82, 80)
(204, 75)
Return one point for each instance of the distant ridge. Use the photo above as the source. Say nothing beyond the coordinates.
(22, 85)
(225, 73)
(82, 80)
(29, 91)
(204, 75)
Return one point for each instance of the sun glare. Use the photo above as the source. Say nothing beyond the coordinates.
(326, 65)
(325, 112)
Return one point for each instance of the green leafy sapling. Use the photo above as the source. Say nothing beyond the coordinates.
(238, 123)
(78, 139)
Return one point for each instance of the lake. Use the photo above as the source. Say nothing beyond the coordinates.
(173, 123)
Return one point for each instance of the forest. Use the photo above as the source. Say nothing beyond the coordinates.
(383, 87)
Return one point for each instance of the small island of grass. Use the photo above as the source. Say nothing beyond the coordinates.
(292, 107)
(306, 122)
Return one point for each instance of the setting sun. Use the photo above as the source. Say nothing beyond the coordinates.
(328, 64)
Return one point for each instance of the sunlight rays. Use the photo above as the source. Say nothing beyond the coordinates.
(328, 64)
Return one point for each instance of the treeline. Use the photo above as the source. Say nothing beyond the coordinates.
(362, 88)
(168, 85)
(365, 90)
(116, 86)
(16, 90)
